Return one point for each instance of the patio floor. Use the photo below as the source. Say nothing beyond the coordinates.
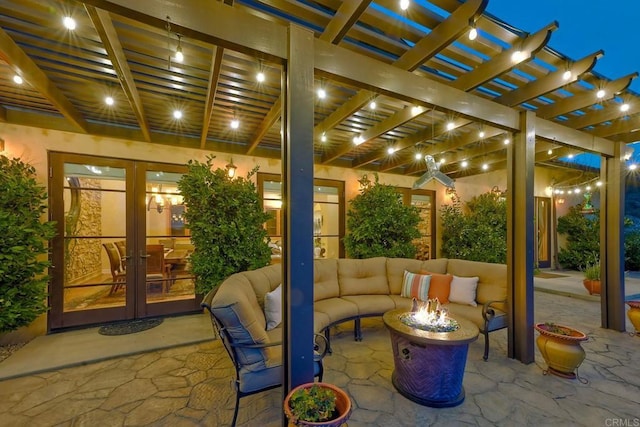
(190, 385)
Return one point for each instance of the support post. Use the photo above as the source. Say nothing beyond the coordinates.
(297, 192)
(520, 239)
(612, 239)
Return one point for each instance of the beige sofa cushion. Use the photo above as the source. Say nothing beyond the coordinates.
(395, 272)
(325, 279)
(264, 280)
(236, 306)
(369, 305)
(336, 308)
(363, 276)
(492, 285)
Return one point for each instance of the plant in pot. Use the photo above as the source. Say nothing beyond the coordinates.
(317, 404)
(592, 277)
(23, 282)
(560, 347)
(226, 223)
(380, 224)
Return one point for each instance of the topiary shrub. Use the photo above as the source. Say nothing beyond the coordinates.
(379, 224)
(477, 230)
(583, 238)
(23, 284)
(226, 223)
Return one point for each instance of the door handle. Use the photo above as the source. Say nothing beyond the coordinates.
(144, 255)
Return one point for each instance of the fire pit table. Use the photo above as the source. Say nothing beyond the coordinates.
(429, 366)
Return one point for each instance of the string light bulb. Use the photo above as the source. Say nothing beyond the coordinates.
(404, 4)
(179, 56)
(473, 33)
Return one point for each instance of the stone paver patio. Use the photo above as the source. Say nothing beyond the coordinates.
(191, 385)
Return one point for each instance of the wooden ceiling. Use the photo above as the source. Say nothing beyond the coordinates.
(67, 75)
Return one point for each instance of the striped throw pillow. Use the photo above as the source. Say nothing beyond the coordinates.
(416, 286)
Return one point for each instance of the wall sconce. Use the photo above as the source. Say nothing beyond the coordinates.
(450, 192)
(560, 201)
(156, 201)
(231, 169)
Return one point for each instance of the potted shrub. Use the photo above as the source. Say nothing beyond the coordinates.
(226, 223)
(379, 224)
(634, 316)
(23, 261)
(592, 278)
(560, 347)
(317, 404)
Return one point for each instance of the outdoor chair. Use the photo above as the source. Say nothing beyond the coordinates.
(254, 374)
(118, 275)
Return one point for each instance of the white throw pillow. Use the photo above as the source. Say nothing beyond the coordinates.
(273, 307)
(463, 290)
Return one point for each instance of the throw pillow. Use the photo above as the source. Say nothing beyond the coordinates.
(273, 307)
(463, 290)
(415, 286)
(440, 286)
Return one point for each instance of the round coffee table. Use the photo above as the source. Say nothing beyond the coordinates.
(429, 366)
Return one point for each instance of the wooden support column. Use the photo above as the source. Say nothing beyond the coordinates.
(297, 192)
(520, 239)
(612, 239)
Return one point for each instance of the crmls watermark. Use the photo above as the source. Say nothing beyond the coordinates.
(622, 422)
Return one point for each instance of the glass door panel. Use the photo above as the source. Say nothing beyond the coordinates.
(424, 243)
(543, 232)
(164, 258)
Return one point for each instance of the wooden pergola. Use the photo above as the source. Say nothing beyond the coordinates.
(434, 89)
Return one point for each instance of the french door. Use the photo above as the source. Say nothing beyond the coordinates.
(122, 247)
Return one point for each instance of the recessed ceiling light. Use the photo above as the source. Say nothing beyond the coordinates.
(323, 138)
(235, 123)
(481, 134)
(372, 105)
(358, 140)
(418, 156)
(260, 77)
(450, 125)
(17, 79)
(464, 164)
(624, 107)
(601, 93)
(69, 23)
(566, 75)
(177, 114)
(415, 110)
(108, 100)
(570, 156)
(485, 166)
(633, 166)
(441, 161)
(322, 94)
(549, 152)
(404, 4)
(391, 150)
(507, 141)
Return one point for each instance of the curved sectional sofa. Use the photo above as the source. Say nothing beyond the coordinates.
(350, 289)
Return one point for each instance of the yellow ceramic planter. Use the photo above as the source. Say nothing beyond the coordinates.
(634, 315)
(562, 352)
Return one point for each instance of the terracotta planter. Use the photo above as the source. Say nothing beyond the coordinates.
(634, 315)
(593, 286)
(562, 353)
(343, 407)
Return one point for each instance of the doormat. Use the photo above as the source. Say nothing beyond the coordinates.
(129, 327)
(545, 275)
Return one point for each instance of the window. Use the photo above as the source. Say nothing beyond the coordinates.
(328, 214)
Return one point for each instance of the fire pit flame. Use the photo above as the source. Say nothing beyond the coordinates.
(429, 316)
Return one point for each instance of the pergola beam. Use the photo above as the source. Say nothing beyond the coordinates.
(442, 36)
(502, 62)
(392, 122)
(212, 88)
(107, 33)
(550, 82)
(24, 66)
(346, 16)
(578, 102)
(3, 114)
(610, 112)
(632, 124)
(555, 132)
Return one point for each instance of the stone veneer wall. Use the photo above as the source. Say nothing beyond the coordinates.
(83, 259)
